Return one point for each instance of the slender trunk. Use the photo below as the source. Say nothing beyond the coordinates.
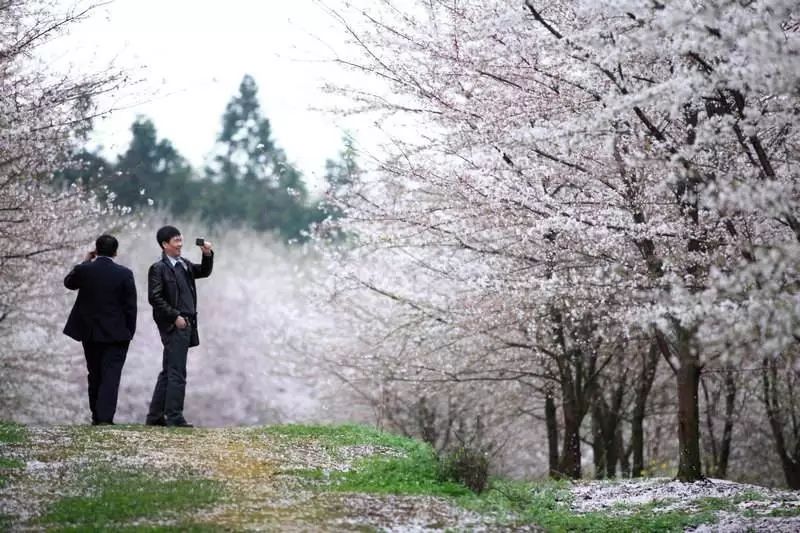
(637, 442)
(552, 433)
(570, 463)
(426, 422)
(598, 439)
(791, 467)
(791, 470)
(689, 465)
(711, 434)
(612, 431)
(624, 455)
(646, 378)
(727, 430)
(612, 447)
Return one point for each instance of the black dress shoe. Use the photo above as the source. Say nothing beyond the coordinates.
(160, 422)
(183, 424)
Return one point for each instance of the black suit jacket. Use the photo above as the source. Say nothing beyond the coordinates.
(105, 310)
(162, 291)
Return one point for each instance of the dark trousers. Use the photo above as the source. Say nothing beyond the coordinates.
(167, 402)
(104, 361)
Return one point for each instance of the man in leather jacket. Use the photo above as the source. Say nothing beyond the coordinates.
(172, 293)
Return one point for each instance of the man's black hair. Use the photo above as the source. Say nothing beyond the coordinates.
(165, 234)
(106, 245)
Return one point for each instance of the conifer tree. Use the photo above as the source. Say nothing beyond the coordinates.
(255, 184)
(152, 170)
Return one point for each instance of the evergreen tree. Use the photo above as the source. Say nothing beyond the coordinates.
(253, 182)
(153, 169)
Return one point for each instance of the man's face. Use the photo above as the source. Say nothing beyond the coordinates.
(173, 247)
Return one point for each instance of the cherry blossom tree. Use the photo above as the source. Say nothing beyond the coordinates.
(579, 174)
(42, 115)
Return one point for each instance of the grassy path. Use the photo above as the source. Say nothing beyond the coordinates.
(132, 478)
(326, 478)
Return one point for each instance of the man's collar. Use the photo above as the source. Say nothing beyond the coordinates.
(105, 257)
(172, 260)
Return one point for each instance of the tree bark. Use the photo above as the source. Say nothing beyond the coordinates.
(576, 376)
(645, 385)
(690, 467)
(612, 431)
(570, 463)
(612, 446)
(598, 438)
(689, 462)
(721, 470)
(552, 433)
(637, 442)
(775, 414)
(624, 455)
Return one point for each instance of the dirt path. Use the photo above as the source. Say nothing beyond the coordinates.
(258, 473)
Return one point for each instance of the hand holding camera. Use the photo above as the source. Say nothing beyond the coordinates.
(204, 245)
(90, 255)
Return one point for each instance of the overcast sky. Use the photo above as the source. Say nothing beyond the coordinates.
(191, 56)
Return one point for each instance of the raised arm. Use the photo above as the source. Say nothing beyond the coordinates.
(203, 270)
(74, 278)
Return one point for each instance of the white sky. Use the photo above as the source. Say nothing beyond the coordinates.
(191, 56)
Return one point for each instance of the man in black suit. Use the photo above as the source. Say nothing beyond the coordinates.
(172, 292)
(104, 320)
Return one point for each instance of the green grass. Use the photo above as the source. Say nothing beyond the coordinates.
(414, 472)
(343, 435)
(11, 433)
(783, 513)
(139, 528)
(113, 498)
(135, 501)
(546, 503)
(7, 463)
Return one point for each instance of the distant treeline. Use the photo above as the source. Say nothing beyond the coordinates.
(248, 181)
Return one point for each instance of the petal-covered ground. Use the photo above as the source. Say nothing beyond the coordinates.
(324, 478)
(737, 506)
(257, 479)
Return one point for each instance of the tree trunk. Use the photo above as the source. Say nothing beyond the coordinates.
(727, 431)
(645, 385)
(791, 470)
(570, 464)
(775, 414)
(689, 465)
(598, 439)
(612, 430)
(552, 433)
(637, 442)
(613, 444)
(624, 455)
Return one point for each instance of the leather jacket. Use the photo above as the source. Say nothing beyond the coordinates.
(162, 287)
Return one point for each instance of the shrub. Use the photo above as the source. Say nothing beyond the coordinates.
(465, 465)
